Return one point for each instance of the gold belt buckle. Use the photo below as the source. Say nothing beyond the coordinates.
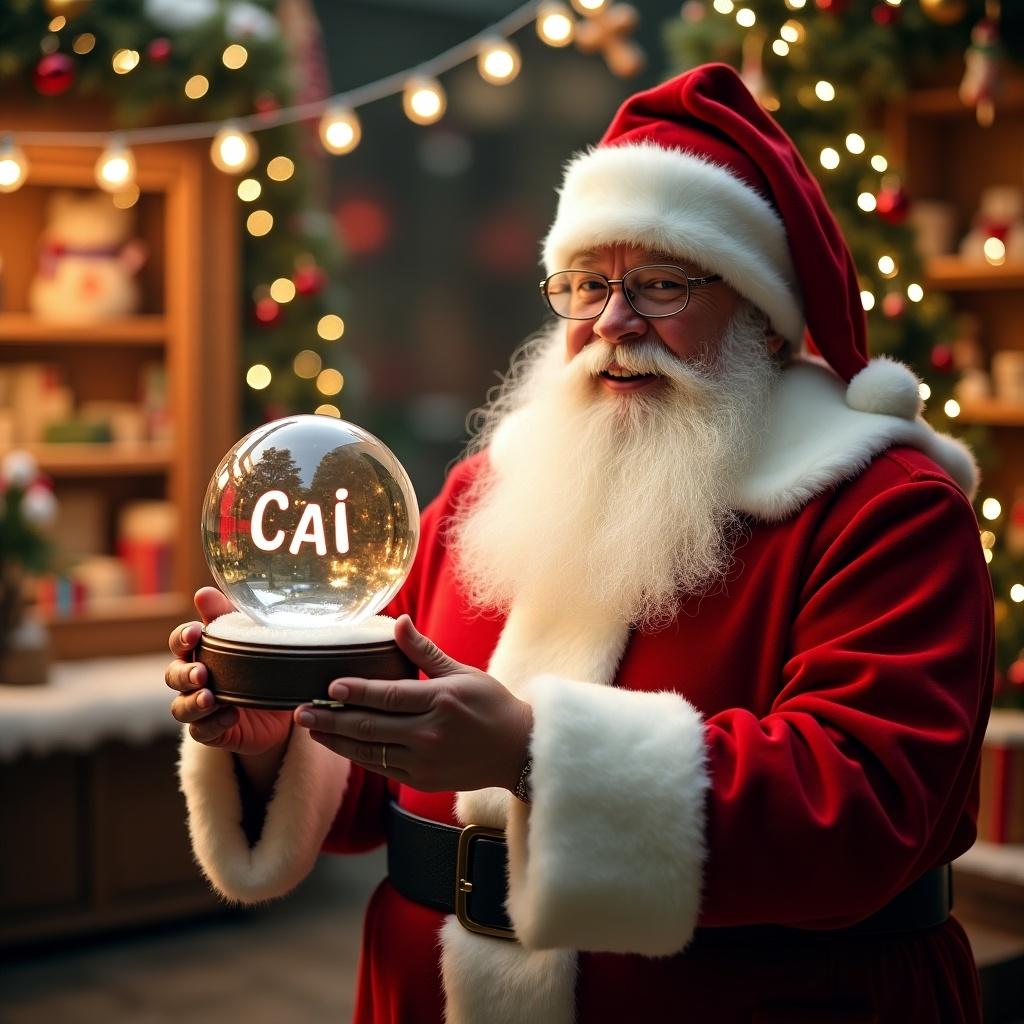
(464, 885)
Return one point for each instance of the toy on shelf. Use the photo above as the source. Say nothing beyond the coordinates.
(88, 260)
(997, 233)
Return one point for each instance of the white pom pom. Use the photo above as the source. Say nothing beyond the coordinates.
(19, 468)
(886, 387)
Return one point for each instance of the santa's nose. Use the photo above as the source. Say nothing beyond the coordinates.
(619, 321)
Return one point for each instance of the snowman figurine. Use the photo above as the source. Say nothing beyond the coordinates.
(88, 259)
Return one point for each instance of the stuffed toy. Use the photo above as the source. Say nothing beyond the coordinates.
(88, 259)
(1000, 215)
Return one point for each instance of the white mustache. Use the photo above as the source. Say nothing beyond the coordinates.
(642, 357)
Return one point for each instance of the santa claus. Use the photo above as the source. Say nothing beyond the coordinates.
(710, 641)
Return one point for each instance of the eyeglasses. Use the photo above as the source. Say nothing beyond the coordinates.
(652, 291)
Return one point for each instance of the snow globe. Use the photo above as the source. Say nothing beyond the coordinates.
(309, 526)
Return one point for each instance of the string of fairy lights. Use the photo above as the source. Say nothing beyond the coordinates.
(233, 147)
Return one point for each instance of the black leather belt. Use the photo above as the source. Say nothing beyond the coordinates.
(464, 871)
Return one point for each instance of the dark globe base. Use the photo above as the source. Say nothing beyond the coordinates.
(280, 678)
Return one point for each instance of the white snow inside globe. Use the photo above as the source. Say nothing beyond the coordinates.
(310, 522)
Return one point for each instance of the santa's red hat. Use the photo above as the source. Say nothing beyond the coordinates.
(695, 167)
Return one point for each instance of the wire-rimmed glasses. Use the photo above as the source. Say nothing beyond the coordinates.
(653, 291)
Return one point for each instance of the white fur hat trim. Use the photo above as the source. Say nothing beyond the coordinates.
(683, 205)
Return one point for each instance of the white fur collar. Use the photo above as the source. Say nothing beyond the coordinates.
(822, 433)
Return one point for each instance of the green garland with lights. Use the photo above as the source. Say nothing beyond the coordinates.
(825, 68)
(52, 51)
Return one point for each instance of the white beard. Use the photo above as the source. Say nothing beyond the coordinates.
(620, 503)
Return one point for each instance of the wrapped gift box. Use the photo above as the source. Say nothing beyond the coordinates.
(1001, 811)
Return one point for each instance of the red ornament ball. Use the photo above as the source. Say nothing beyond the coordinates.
(883, 14)
(942, 358)
(265, 103)
(1015, 674)
(159, 49)
(892, 204)
(833, 6)
(309, 280)
(267, 311)
(54, 74)
(893, 305)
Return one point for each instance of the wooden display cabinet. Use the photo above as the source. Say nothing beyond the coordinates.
(946, 155)
(188, 322)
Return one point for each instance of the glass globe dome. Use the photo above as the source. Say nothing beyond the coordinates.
(310, 521)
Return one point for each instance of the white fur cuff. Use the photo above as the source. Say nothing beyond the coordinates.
(309, 789)
(610, 855)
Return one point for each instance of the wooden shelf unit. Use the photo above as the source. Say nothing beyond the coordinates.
(188, 322)
(943, 154)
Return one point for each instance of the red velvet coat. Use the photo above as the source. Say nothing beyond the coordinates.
(843, 677)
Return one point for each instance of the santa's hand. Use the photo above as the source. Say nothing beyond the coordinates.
(244, 731)
(459, 729)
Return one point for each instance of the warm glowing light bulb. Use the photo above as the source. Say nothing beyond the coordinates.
(124, 61)
(84, 43)
(329, 382)
(589, 6)
(259, 223)
(792, 31)
(328, 410)
(233, 150)
(249, 189)
(952, 408)
(995, 251)
(555, 24)
(825, 91)
(330, 327)
(234, 56)
(915, 292)
(887, 266)
(867, 202)
(281, 168)
(282, 290)
(1017, 593)
(746, 18)
(991, 509)
(829, 158)
(879, 163)
(340, 130)
(126, 198)
(724, 6)
(781, 47)
(306, 364)
(115, 168)
(924, 391)
(424, 100)
(13, 166)
(197, 87)
(987, 538)
(867, 300)
(855, 143)
(258, 377)
(498, 61)
(796, 5)
(988, 555)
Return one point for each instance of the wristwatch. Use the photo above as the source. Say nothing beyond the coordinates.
(523, 789)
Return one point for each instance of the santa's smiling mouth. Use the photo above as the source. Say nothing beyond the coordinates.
(619, 379)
